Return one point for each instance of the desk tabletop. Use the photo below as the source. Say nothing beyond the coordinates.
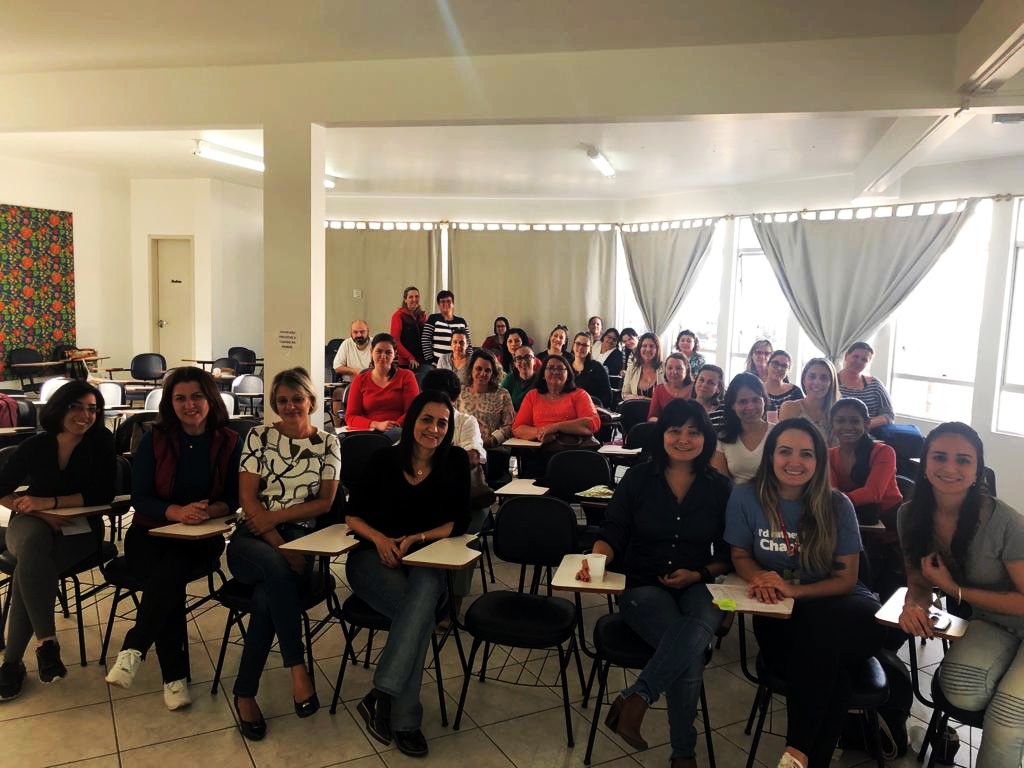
(16, 430)
(67, 512)
(618, 450)
(521, 487)
(208, 529)
(889, 614)
(332, 540)
(449, 554)
(518, 442)
(565, 579)
(732, 592)
(40, 364)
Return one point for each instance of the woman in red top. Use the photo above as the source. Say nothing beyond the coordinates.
(406, 328)
(379, 398)
(677, 384)
(863, 469)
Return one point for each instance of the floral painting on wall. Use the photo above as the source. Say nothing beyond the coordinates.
(37, 279)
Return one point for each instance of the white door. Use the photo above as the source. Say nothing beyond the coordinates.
(174, 311)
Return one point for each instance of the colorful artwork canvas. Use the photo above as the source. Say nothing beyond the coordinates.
(37, 279)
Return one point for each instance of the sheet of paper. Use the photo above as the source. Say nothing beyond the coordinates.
(76, 526)
(733, 597)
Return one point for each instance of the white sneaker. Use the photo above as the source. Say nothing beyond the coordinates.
(788, 761)
(176, 694)
(124, 669)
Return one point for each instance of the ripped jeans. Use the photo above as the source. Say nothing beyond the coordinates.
(985, 670)
(679, 624)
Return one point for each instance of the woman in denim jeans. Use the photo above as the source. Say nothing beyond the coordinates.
(288, 478)
(410, 494)
(958, 539)
(660, 527)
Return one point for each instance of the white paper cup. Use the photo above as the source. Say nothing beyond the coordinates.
(596, 564)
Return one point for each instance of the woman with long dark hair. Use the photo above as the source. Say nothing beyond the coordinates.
(776, 381)
(663, 529)
(861, 467)
(185, 471)
(590, 375)
(608, 354)
(744, 432)
(970, 545)
(410, 494)
(688, 345)
(496, 342)
(646, 372)
(69, 464)
(407, 329)
(792, 536)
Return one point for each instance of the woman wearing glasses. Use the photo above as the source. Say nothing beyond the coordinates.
(521, 379)
(69, 464)
(590, 375)
(776, 385)
(609, 355)
(185, 471)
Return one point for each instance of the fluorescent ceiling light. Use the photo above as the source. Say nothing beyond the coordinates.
(208, 151)
(600, 162)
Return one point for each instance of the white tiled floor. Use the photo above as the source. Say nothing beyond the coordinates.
(80, 721)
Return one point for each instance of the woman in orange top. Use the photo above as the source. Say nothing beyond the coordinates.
(863, 469)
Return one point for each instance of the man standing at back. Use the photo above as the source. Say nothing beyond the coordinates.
(353, 355)
(437, 333)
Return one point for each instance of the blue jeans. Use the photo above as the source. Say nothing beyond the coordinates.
(409, 596)
(276, 603)
(679, 625)
(985, 670)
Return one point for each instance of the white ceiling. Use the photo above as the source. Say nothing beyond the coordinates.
(38, 36)
(529, 161)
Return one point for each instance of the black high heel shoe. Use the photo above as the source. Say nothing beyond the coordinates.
(254, 730)
(308, 707)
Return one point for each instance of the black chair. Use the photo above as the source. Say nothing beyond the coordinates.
(357, 615)
(942, 713)
(906, 486)
(245, 359)
(989, 476)
(26, 376)
(149, 368)
(356, 450)
(27, 415)
(570, 472)
(242, 426)
(615, 643)
(333, 346)
(633, 412)
(237, 598)
(329, 375)
(870, 691)
(538, 532)
(130, 431)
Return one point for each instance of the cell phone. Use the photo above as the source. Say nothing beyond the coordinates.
(939, 621)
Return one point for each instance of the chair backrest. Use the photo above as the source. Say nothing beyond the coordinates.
(131, 430)
(906, 486)
(989, 476)
(153, 399)
(224, 362)
(247, 384)
(242, 426)
(229, 402)
(633, 412)
(640, 437)
(28, 416)
(112, 391)
(570, 472)
(329, 374)
(23, 355)
(333, 345)
(5, 454)
(356, 450)
(245, 359)
(149, 366)
(50, 386)
(535, 530)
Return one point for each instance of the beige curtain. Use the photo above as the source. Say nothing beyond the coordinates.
(535, 279)
(378, 264)
(663, 265)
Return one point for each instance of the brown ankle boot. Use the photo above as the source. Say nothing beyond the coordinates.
(626, 716)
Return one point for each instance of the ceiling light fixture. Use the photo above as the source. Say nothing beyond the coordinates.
(600, 162)
(208, 151)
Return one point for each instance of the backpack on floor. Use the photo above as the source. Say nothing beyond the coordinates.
(892, 716)
(8, 411)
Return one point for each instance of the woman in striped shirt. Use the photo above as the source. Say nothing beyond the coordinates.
(853, 382)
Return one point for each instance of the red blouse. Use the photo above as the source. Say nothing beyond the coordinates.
(538, 411)
(368, 402)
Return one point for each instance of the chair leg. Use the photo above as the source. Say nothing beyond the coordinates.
(350, 636)
(465, 684)
(309, 649)
(369, 649)
(766, 698)
(62, 596)
(110, 624)
(602, 684)
(706, 716)
(754, 705)
(3, 615)
(876, 738)
(590, 683)
(483, 576)
(563, 661)
(223, 649)
(78, 615)
(929, 734)
(936, 737)
(440, 682)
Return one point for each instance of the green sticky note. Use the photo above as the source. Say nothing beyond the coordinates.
(726, 604)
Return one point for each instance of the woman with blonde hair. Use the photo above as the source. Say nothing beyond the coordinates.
(821, 389)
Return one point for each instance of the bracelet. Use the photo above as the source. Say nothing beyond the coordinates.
(423, 537)
(54, 502)
(959, 594)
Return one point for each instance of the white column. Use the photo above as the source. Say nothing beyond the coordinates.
(294, 209)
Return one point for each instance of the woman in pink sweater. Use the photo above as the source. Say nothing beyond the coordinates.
(379, 398)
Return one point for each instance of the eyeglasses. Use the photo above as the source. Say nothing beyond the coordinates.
(778, 364)
(584, 344)
(523, 358)
(79, 408)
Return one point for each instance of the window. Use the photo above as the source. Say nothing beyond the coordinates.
(1011, 396)
(937, 327)
(760, 311)
(699, 310)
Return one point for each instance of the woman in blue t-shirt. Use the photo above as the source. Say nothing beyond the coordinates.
(793, 536)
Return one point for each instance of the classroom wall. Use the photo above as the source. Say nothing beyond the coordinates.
(100, 206)
(237, 267)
